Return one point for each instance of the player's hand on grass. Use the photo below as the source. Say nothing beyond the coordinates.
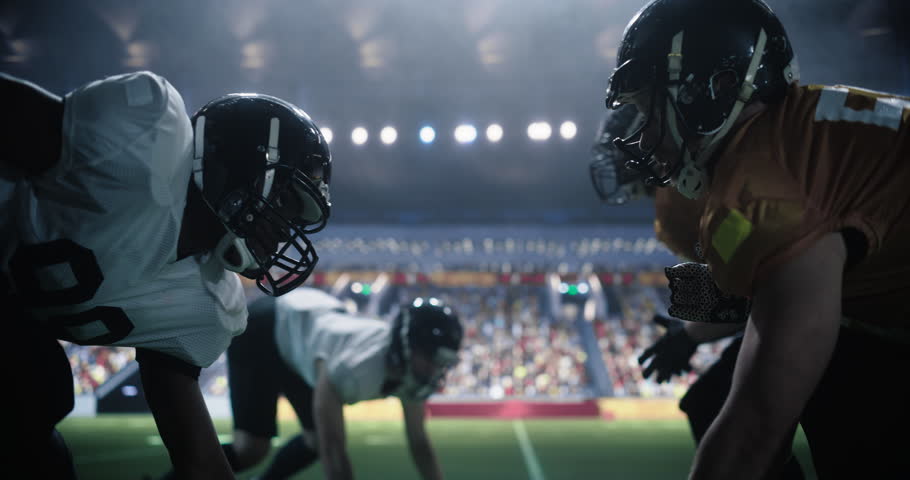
(671, 353)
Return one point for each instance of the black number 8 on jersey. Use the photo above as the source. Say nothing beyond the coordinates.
(99, 325)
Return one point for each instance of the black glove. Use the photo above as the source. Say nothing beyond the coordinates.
(671, 353)
(694, 296)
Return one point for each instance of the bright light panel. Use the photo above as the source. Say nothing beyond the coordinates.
(359, 136)
(494, 133)
(568, 129)
(539, 131)
(427, 134)
(465, 133)
(388, 135)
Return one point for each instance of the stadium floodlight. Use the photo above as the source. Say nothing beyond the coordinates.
(388, 135)
(427, 134)
(465, 133)
(359, 136)
(494, 132)
(539, 131)
(327, 134)
(568, 129)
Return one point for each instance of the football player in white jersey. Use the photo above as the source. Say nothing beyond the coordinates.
(307, 347)
(124, 221)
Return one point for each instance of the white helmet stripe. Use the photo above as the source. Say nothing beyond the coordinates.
(692, 179)
(674, 67)
(271, 156)
(745, 92)
(198, 150)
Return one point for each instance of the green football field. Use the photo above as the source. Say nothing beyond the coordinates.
(128, 447)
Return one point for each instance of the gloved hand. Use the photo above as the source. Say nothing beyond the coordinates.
(671, 353)
(694, 296)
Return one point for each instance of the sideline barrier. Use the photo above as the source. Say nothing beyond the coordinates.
(640, 409)
(390, 409)
(515, 409)
(605, 408)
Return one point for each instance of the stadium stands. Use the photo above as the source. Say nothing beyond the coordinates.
(521, 340)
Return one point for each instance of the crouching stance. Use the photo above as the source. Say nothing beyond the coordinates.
(308, 348)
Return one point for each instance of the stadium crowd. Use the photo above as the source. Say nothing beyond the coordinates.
(94, 365)
(628, 330)
(513, 348)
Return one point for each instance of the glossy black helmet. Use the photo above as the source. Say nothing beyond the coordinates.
(264, 168)
(700, 62)
(430, 328)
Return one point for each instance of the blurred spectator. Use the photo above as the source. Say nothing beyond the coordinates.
(623, 338)
(514, 346)
(94, 365)
(511, 348)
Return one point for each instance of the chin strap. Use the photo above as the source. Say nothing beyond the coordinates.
(228, 241)
(693, 177)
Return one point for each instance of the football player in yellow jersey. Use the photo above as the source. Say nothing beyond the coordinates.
(806, 214)
(676, 226)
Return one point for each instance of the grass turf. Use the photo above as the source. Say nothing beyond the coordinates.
(128, 447)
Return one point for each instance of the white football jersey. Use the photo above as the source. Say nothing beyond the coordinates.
(92, 243)
(311, 325)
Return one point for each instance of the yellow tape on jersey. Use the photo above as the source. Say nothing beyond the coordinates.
(730, 234)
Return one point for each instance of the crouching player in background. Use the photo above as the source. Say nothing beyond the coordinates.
(307, 347)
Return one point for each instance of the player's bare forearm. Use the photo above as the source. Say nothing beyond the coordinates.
(184, 423)
(425, 459)
(707, 332)
(418, 441)
(336, 464)
(786, 348)
(328, 411)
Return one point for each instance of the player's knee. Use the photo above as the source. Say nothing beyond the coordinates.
(250, 449)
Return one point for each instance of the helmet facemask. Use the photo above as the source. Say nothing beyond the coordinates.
(422, 361)
(703, 62)
(652, 171)
(267, 219)
(614, 182)
(268, 237)
(681, 97)
(419, 385)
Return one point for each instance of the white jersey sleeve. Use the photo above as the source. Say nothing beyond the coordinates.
(93, 242)
(310, 327)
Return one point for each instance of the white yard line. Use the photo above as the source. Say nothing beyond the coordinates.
(527, 451)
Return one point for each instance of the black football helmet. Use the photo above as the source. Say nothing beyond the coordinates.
(264, 168)
(431, 328)
(700, 62)
(614, 183)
